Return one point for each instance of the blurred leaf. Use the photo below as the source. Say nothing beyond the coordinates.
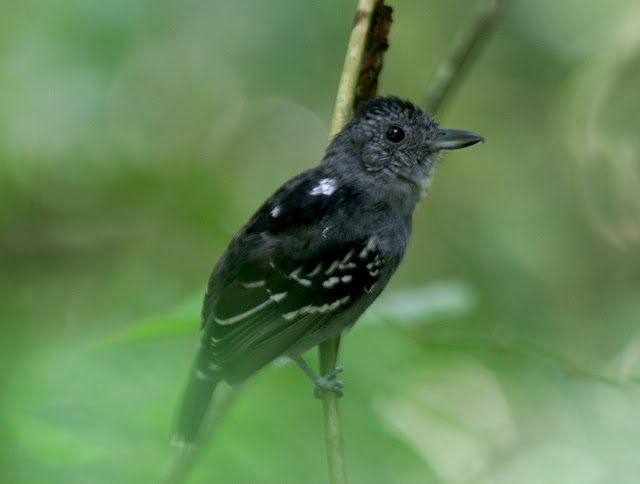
(576, 29)
(54, 444)
(427, 304)
(602, 137)
(155, 328)
(452, 406)
(184, 320)
(553, 463)
(626, 365)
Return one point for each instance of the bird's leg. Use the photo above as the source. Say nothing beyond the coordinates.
(327, 382)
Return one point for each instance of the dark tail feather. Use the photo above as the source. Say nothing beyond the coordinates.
(195, 404)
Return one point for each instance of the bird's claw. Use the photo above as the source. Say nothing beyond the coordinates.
(329, 383)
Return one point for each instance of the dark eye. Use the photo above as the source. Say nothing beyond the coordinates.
(395, 134)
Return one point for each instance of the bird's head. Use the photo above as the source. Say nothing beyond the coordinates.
(393, 143)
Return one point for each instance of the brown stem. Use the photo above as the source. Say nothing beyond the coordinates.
(328, 350)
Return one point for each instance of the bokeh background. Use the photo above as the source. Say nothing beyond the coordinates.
(136, 137)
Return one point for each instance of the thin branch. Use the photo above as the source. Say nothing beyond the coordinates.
(332, 423)
(466, 49)
(328, 350)
(372, 60)
(356, 77)
(351, 68)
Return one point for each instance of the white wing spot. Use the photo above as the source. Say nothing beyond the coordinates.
(371, 245)
(290, 316)
(280, 361)
(346, 278)
(332, 281)
(347, 266)
(315, 271)
(309, 309)
(201, 375)
(295, 275)
(275, 211)
(243, 315)
(332, 267)
(326, 187)
(347, 257)
(251, 285)
(303, 282)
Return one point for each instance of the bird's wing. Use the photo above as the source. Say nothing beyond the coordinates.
(276, 301)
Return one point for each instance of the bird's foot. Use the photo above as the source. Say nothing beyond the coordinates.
(328, 383)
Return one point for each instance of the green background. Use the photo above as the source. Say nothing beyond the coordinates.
(137, 136)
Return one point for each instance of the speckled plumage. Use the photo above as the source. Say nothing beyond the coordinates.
(318, 252)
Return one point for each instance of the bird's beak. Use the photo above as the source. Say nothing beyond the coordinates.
(453, 139)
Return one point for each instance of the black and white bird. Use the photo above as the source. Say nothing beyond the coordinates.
(318, 252)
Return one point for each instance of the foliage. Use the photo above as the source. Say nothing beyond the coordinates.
(135, 139)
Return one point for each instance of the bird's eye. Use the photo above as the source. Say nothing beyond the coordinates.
(395, 134)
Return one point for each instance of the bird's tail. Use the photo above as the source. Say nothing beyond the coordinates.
(195, 404)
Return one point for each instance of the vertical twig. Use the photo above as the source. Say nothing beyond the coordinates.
(351, 69)
(332, 424)
(328, 350)
(470, 41)
(448, 75)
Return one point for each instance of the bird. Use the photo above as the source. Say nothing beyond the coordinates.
(317, 253)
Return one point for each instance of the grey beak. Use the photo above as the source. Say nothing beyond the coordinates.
(453, 139)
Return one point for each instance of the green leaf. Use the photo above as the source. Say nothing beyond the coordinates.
(426, 304)
(185, 319)
(56, 445)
